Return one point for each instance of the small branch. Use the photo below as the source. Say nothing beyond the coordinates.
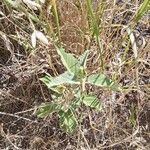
(16, 116)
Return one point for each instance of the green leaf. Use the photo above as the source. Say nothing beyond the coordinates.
(67, 121)
(92, 101)
(145, 7)
(81, 72)
(83, 58)
(76, 104)
(68, 60)
(46, 109)
(102, 81)
(65, 78)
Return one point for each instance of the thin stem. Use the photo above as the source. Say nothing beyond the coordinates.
(56, 18)
(100, 52)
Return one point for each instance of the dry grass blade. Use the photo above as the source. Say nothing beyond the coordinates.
(16, 116)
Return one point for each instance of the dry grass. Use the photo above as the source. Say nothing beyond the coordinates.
(124, 122)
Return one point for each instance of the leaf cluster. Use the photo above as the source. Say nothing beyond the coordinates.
(69, 90)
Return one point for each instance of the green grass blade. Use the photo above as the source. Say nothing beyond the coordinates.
(93, 18)
(95, 30)
(145, 7)
(54, 6)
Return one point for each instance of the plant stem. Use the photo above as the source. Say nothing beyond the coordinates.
(56, 18)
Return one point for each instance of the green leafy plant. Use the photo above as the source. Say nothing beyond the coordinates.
(69, 90)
